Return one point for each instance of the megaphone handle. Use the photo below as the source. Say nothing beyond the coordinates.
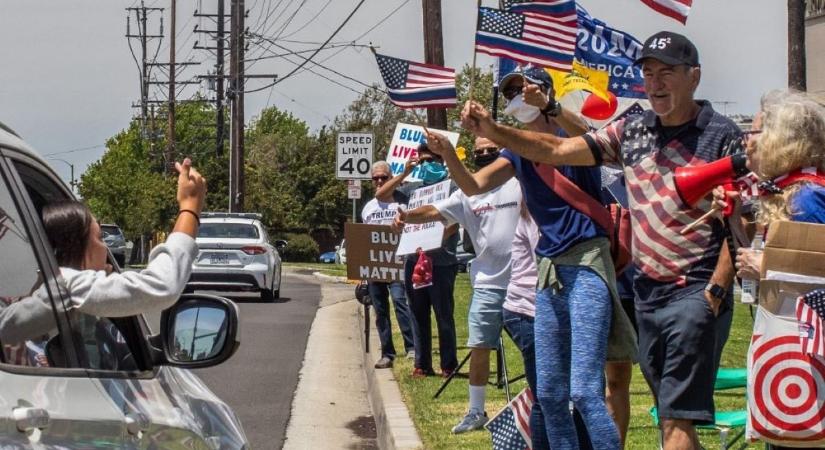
(699, 221)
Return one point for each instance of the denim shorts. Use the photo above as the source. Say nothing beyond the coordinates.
(485, 320)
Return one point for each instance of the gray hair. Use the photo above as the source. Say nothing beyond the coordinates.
(381, 165)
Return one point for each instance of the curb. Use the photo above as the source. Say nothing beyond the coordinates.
(329, 278)
(394, 426)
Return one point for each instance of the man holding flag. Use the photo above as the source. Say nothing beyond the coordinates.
(682, 279)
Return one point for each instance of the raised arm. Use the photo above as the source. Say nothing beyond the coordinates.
(538, 147)
(384, 193)
(570, 122)
(486, 179)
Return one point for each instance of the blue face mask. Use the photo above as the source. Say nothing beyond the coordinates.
(432, 172)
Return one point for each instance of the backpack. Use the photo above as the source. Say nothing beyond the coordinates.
(613, 218)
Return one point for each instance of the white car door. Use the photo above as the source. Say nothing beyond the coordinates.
(43, 403)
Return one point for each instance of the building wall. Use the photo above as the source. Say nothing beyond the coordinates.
(815, 50)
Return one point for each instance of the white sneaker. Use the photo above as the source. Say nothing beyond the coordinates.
(474, 420)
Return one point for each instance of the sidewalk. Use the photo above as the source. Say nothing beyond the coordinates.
(339, 389)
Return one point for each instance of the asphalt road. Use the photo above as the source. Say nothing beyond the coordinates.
(258, 382)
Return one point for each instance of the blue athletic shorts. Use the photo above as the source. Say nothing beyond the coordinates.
(485, 322)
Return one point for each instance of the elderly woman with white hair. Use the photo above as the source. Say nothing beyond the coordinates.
(786, 149)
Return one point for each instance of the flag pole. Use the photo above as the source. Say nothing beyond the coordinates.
(473, 69)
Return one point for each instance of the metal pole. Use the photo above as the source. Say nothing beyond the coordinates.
(353, 211)
(170, 131)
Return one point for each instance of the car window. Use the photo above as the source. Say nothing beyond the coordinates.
(228, 230)
(27, 319)
(99, 343)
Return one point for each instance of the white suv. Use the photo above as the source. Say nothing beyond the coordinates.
(81, 381)
(236, 255)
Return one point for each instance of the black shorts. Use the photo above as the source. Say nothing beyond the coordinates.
(677, 357)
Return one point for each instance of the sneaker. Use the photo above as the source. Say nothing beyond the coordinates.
(411, 354)
(446, 373)
(383, 363)
(474, 420)
(421, 373)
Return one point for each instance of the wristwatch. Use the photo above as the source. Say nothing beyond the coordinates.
(553, 108)
(715, 290)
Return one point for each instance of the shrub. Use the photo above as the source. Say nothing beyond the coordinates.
(300, 248)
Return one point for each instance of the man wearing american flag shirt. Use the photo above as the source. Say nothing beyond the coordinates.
(683, 281)
(810, 309)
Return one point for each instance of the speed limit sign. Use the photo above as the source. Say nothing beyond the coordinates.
(354, 156)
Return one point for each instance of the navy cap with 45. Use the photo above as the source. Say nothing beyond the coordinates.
(670, 48)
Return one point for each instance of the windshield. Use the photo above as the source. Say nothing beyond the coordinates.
(228, 230)
(110, 230)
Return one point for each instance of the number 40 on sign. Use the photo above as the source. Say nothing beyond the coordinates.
(354, 156)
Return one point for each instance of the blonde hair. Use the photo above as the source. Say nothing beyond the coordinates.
(793, 137)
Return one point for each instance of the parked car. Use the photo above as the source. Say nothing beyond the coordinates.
(341, 252)
(327, 258)
(236, 255)
(95, 382)
(114, 239)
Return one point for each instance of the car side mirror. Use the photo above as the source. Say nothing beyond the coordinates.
(280, 243)
(199, 331)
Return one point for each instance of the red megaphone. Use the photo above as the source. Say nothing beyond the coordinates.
(695, 182)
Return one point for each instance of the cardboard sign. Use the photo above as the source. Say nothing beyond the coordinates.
(405, 143)
(426, 236)
(371, 253)
(794, 247)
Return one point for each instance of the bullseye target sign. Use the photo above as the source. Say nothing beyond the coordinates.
(786, 391)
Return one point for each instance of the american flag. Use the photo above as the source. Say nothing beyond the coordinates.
(511, 426)
(548, 7)
(810, 309)
(677, 9)
(547, 40)
(414, 85)
(633, 110)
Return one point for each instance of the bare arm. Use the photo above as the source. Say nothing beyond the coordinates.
(722, 275)
(570, 122)
(422, 214)
(384, 193)
(538, 147)
(486, 179)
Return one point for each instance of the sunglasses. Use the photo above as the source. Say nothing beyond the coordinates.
(380, 178)
(488, 150)
(748, 135)
(511, 91)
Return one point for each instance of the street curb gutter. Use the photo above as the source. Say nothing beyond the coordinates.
(395, 428)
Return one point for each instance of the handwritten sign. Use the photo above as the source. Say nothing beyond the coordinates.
(405, 143)
(426, 236)
(371, 253)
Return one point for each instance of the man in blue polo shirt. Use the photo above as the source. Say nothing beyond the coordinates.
(682, 281)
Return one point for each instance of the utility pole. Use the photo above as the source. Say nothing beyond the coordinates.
(796, 45)
(141, 19)
(236, 88)
(434, 54)
(170, 132)
(219, 87)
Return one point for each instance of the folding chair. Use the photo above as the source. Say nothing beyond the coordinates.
(723, 421)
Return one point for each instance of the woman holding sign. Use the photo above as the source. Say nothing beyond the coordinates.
(439, 294)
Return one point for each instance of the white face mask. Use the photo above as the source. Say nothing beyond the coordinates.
(523, 112)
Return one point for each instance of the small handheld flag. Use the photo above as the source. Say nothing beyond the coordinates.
(810, 309)
(510, 428)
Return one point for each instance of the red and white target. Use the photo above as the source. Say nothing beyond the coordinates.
(787, 391)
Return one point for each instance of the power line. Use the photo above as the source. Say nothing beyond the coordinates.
(313, 19)
(74, 150)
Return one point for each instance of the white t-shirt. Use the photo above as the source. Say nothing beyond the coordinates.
(521, 294)
(490, 219)
(379, 213)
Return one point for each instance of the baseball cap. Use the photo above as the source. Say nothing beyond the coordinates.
(535, 75)
(670, 48)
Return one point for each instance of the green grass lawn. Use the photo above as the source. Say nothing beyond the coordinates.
(435, 417)
(337, 270)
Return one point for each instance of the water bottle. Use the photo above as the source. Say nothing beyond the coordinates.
(750, 288)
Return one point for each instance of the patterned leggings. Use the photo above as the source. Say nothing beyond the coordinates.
(571, 331)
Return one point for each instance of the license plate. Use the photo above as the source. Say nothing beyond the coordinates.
(218, 258)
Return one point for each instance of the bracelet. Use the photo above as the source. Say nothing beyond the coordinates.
(197, 217)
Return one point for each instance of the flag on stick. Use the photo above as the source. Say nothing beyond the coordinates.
(415, 85)
(530, 38)
(510, 428)
(810, 309)
(547, 7)
(676, 9)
